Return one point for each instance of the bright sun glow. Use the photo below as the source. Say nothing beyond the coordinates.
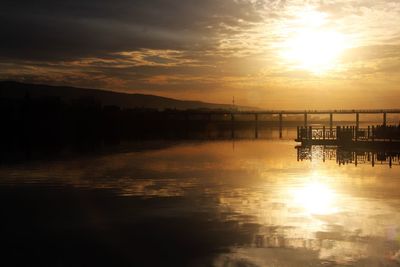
(315, 198)
(312, 46)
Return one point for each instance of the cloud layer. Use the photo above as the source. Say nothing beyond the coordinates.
(209, 49)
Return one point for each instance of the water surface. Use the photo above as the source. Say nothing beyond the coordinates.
(200, 203)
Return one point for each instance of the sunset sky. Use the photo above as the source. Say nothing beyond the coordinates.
(269, 54)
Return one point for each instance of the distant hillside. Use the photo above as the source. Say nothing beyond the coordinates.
(10, 89)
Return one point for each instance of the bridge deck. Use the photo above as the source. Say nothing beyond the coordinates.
(327, 111)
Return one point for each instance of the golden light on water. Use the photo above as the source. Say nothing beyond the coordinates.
(312, 45)
(315, 198)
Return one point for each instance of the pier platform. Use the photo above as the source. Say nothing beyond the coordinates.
(379, 137)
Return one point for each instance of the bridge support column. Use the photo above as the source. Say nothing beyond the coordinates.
(256, 129)
(373, 133)
(280, 125)
(368, 133)
(355, 159)
(357, 120)
(331, 121)
(232, 126)
(373, 159)
(356, 133)
(384, 118)
(305, 119)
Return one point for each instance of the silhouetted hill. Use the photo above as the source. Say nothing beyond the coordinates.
(11, 89)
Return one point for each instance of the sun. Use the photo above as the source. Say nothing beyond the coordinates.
(312, 46)
(315, 51)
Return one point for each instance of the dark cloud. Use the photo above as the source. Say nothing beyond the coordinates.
(65, 30)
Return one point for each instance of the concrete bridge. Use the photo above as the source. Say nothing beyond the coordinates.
(280, 113)
(329, 112)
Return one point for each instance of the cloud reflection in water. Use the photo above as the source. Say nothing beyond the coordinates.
(302, 213)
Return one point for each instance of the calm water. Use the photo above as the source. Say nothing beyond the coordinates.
(200, 203)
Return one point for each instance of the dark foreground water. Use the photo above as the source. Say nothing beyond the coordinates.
(199, 203)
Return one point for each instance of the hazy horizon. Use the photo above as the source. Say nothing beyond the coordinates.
(196, 100)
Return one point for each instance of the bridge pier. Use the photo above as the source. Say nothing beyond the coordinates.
(256, 128)
(373, 133)
(357, 120)
(355, 159)
(280, 125)
(384, 118)
(355, 133)
(305, 119)
(232, 126)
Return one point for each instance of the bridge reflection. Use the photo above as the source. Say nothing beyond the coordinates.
(348, 156)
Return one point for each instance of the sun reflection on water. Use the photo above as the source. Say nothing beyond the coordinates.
(315, 197)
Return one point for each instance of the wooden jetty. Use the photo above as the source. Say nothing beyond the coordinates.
(381, 136)
(344, 156)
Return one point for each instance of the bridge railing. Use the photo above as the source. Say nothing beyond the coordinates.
(339, 133)
(319, 111)
(386, 132)
(316, 133)
(342, 157)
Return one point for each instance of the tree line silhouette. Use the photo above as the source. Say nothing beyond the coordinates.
(51, 122)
